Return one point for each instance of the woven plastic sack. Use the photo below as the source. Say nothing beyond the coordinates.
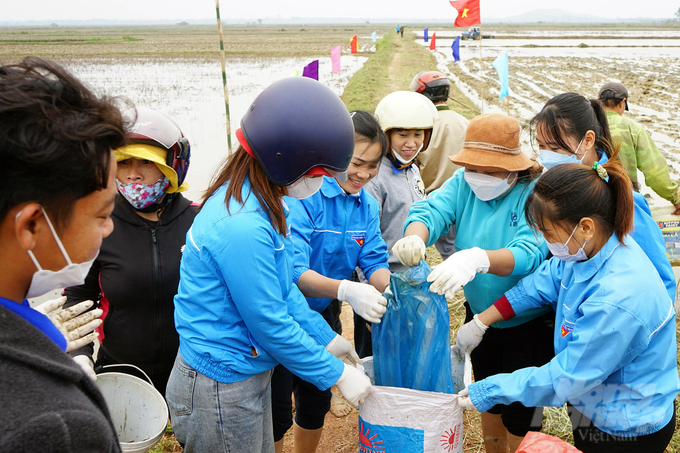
(411, 344)
(535, 442)
(413, 421)
(410, 421)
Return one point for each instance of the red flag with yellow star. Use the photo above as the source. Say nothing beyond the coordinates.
(468, 12)
(353, 44)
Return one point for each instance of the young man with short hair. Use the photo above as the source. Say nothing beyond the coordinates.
(57, 190)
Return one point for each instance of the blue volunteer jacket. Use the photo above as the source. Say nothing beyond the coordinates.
(334, 233)
(615, 345)
(490, 225)
(237, 310)
(649, 237)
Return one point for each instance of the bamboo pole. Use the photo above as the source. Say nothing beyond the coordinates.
(508, 101)
(464, 105)
(224, 75)
(481, 68)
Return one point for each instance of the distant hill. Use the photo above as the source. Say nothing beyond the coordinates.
(560, 15)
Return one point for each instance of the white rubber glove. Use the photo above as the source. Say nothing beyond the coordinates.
(469, 336)
(457, 271)
(464, 400)
(366, 301)
(409, 250)
(343, 350)
(77, 328)
(354, 385)
(86, 365)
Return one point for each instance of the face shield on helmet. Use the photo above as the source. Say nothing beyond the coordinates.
(297, 127)
(153, 128)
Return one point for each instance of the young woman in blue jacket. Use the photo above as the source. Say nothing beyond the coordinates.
(615, 363)
(573, 129)
(485, 201)
(334, 231)
(237, 311)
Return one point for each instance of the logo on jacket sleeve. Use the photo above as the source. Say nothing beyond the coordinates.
(566, 329)
(359, 238)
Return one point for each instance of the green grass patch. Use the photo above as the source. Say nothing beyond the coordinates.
(131, 38)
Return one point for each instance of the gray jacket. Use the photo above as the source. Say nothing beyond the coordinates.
(395, 193)
(48, 403)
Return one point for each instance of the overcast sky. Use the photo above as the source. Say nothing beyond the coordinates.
(205, 9)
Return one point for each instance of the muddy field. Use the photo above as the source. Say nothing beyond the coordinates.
(177, 70)
(181, 41)
(544, 63)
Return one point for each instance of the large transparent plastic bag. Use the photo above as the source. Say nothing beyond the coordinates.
(411, 345)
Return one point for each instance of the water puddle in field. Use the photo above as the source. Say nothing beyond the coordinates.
(190, 92)
(543, 64)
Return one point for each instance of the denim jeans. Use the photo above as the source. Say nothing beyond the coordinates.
(215, 417)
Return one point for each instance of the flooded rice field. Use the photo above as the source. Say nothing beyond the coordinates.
(543, 64)
(190, 91)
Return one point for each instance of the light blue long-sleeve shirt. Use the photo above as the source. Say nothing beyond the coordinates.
(237, 310)
(615, 342)
(649, 237)
(333, 233)
(489, 225)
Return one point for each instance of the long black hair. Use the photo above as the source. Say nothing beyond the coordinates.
(572, 115)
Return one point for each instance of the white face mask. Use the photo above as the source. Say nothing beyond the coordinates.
(561, 251)
(45, 280)
(404, 161)
(487, 187)
(550, 159)
(305, 187)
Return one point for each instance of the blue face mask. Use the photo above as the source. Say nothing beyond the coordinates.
(550, 159)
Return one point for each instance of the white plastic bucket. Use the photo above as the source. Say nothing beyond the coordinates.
(138, 410)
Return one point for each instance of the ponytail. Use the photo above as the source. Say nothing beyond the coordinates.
(568, 192)
(603, 140)
(622, 195)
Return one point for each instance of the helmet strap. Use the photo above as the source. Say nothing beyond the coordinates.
(395, 162)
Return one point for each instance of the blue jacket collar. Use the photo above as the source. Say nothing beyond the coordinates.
(584, 270)
(331, 189)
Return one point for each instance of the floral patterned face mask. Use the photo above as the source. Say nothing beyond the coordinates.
(140, 195)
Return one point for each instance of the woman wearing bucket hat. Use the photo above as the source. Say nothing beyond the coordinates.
(135, 276)
(485, 201)
(237, 310)
(615, 340)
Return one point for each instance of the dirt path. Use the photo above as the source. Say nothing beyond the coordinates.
(395, 67)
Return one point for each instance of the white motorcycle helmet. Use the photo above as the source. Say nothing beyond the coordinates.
(407, 110)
